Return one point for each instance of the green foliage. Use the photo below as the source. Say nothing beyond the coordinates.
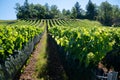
(15, 37)
(88, 44)
(83, 44)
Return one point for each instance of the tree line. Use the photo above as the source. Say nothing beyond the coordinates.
(105, 13)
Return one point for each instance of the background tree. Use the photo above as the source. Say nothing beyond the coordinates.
(19, 11)
(91, 11)
(115, 16)
(66, 14)
(23, 11)
(40, 11)
(105, 13)
(115, 12)
(33, 12)
(54, 11)
(30, 11)
(26, 10)
(47, 11)
(73, 13)
(78, 10)
(83, 14)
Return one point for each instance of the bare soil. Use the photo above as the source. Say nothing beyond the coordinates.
(29, 70)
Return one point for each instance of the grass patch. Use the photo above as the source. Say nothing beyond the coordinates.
(7, 22)
(41, 63)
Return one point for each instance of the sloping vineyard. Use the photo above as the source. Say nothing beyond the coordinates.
(85, 43)
(17, 41)
(80, 45)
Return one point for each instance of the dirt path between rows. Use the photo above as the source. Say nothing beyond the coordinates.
(54, 70)
(29, 70)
